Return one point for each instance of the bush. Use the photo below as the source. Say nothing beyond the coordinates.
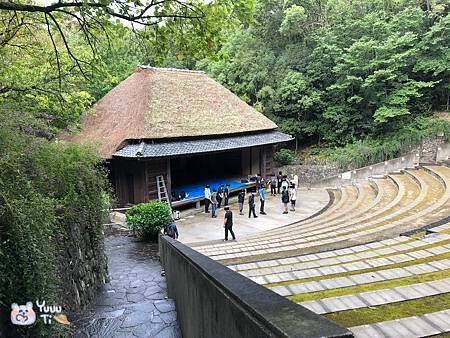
(284, 156)
(51, 210)
(373, 150)
(147, 219)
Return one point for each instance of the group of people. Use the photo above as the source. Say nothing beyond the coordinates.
(279, 184)
(215, 198)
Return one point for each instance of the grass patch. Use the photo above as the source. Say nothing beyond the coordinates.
(389, 284)
(418, 235)
(416, 307)
(357, 272)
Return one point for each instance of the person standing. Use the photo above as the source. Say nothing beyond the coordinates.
(284, 183)
(241, 198)
(219, 195)
(262, 198)
(258, 181)
(226, 194)
(251, 205)
(279, 180)
(285, 199)
(273, 185)
(293, 196)
(214, 204)
(295, 181)
(228, 223)
(207, 194)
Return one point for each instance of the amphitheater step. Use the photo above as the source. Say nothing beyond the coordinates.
(350, 263)
(379, 297)
(423, 326)
(364, 278)
(444, 228)
(356, 264)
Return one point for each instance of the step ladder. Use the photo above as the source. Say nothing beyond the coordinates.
(162, 190)
(163, 197)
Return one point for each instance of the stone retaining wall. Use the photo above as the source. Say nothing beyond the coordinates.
(214, 301)
(380, 169)
(430, 150)
(83, 266)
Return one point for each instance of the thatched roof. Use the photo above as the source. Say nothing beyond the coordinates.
(159, 103)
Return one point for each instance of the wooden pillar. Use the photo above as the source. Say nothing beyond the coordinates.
(169, 179)
(263, 162)
(146, 197)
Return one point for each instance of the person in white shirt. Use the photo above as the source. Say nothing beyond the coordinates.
(207, 198)
(284, 183)
(293, 196)
(295, 181)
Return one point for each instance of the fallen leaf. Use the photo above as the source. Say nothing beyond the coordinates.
(62, 319)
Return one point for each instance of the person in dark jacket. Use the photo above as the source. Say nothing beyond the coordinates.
(226, 194)
(241, 198)
(219, 196)
(258, 181)
(251, 205)
(171, 230)
(279, 180)
(285, 199)
(273, 185)
(228, 223)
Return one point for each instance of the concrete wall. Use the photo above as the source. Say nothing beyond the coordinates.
(380, 169)
(443, 152)
(214, 301)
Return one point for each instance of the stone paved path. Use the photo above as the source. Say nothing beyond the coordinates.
(134, 303)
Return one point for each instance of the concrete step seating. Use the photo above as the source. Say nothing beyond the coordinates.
(420, 198)
(383, 256)
(379, 297)
(351, 259)
(428, 325)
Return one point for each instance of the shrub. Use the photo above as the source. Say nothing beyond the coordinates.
(373, 150)
(147, 219)
(51, 202)
(284, 156)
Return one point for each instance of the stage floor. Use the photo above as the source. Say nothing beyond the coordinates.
(196, 190)
(200, 227)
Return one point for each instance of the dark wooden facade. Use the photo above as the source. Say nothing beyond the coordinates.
(134, 180)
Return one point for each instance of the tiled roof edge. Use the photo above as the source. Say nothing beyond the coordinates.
(171, 69)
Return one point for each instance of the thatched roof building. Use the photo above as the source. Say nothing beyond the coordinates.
(157, 116)
(158, 103)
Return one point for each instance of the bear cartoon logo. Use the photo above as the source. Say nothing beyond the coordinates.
(23, 314)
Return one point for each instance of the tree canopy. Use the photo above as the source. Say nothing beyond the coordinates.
(339, 70)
